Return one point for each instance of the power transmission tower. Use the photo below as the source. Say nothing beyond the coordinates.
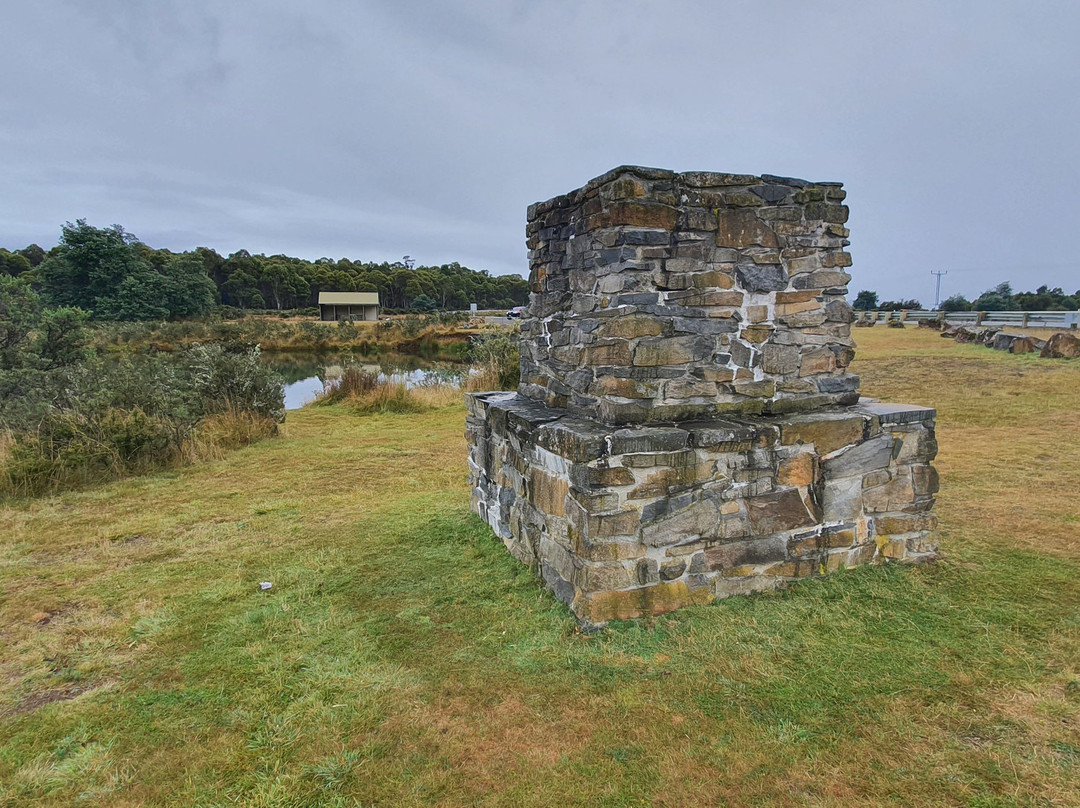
(937, 294)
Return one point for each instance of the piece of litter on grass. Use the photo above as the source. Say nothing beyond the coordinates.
(265, 584)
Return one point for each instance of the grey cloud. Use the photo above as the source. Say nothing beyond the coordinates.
(375, 129)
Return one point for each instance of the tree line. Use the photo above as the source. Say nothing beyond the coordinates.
(1000, 298)
(111, 274)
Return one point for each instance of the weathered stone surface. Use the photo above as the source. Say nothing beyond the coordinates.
(762, 278)
(800, 470)
(609, 352)
(626, 604)
(743, 228)
(548, 492)
(1024, 345)
(671, 350)
(780, 359)
(732, 555)
(636, 469)
(828, 433)
(861, 458)
(630, 327)
(815, 362)
(1003, 341)
(637, 214)
(741, 494)
(777, 512)
(895, 413)
(651, 439)
(573, 438)
(1061, 346)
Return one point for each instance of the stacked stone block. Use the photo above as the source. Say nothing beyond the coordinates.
(661, 296)
(685, 427)
(626, 522)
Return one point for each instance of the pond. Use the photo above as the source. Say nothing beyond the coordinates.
(306, 373)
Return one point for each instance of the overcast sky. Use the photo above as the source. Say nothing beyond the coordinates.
(377, 129)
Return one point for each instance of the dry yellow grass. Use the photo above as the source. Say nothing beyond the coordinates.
(402, 658)
(1008, 430)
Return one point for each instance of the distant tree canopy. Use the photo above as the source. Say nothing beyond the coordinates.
(866, 301)
(20, 261)
(956, 303)
(281, 282)
(1000, 298)
(109, 273)
(1046, 299)
(900, 305)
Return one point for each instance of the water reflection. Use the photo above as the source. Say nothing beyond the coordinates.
(305, 374)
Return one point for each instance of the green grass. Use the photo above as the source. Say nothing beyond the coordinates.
(403, 658)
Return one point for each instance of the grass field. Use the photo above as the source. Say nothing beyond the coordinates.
(402, 658)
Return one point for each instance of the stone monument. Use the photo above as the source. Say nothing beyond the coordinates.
(686, 427)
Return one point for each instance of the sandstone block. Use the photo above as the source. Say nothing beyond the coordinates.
(740, 229)
(762, 278)
(655, 351)
(699, 519)
(548, 492)
(861, 458)
(626, 604)
(799, 470)
(630, 327)
(605, 476)
(624, 388)
(890, 524)
(637, 214)
(607, 352)
(734, 555)
(652, 439)
(780, 359)
(777, 512)
(827, 431)
(1061, 346)
(575, 439)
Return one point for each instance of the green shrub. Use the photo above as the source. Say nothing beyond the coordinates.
(354, 381)
(68, 416)
(236, 379)
(71, 449)
(496, 354)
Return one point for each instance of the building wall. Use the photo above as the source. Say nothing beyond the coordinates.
(329, 312)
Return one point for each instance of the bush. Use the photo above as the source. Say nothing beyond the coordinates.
(367, 393)
(234, 380)
(453, 317)
(900, 305)
(354, 382)
(68, 418)
(71, 449)
(956, 303)
(315, 334)
(496, 355)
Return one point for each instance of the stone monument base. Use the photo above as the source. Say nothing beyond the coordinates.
(628, 522)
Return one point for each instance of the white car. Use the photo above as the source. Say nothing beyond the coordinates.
(515, 313)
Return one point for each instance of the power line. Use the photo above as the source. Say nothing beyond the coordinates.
(937, 294)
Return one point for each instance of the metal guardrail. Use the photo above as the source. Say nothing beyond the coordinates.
(1006, 319)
